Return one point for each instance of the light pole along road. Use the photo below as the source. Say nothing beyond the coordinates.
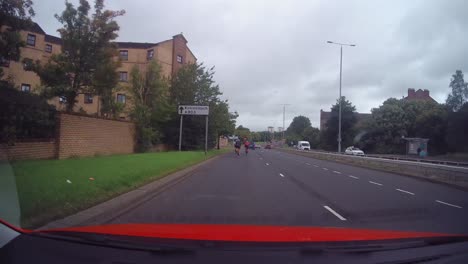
(339, 113)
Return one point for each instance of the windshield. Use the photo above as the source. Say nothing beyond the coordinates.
(143, 112)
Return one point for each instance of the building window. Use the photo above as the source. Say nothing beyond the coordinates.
(149, 54)
(88, 98)
(121, 98)
(48, 48)
(62, 99)
(123, 54)
(179, 59)
(123, 76)
(4, 62)
(25, 87)
(27, 64)
(31, 40)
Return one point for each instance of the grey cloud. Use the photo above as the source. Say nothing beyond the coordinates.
(268, 53)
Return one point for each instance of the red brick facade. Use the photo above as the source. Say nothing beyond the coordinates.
(179, 52)
(82, 136)
(28, 151)
(414, 95)
(77, 136)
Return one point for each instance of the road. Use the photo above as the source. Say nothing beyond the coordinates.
(268, 187)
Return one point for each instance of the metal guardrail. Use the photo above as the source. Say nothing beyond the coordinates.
(427, 161)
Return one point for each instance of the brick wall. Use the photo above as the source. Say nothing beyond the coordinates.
(82, 136)
(28, 151)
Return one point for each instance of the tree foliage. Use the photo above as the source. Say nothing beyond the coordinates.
(329, 137)
(298, 125)
(86, 62)
(243, 132)
(14, 16)
(396, 119)
(194, 85)
(24, 116)
(149, 93)
(459, 94)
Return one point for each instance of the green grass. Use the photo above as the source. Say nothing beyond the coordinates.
(45, 195)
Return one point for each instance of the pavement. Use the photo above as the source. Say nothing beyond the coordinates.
(268, 187)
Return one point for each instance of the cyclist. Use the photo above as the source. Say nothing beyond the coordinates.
(237, 146)
(246, 145)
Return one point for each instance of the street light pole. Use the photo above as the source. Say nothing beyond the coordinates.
(339, 112)
(339, 100)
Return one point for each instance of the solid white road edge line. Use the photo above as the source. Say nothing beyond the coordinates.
(456, 206)
(335, 213)
(400, 190)
(376, 183)
(337, 172)
(281, 174)
(354, 177)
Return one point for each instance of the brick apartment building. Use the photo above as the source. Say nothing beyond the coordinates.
(413, 95)
(171, 54)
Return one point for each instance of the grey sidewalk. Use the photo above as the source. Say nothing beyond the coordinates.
(106, 211)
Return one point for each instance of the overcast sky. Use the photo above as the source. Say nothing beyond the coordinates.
(269, 53)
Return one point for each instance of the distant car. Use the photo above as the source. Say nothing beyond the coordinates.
(252, 146)
(268, 146)
(258, 146)
(354, 151)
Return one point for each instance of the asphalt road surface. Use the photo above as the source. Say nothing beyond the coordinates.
(268, 187)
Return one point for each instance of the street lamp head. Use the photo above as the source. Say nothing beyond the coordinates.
(353, 45)
(330, 42)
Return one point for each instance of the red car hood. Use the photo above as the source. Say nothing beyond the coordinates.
(247, 233)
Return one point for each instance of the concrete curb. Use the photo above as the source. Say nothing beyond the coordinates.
(111, 209)
(441, 174)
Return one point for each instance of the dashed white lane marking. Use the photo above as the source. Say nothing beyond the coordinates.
(354, 177)
(267, 164)
(324, 168)
(449, 204)
(316, 166)
(337, 172)
(307, 163)
(281, 174)
(400, 190)
(376, 183)
(260, 158)
(335, 213)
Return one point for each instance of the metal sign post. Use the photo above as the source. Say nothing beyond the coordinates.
(180, 132)
(194, 110)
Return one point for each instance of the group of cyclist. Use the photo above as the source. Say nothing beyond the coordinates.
(238, 144)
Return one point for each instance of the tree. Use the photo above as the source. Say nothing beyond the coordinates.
(348, 120)
(312, 134)
(194, 85)
(87, 54)
(298, 125)
(459, 94)
(150, 97)
(396, 119)
(457, 129)
(242, 132)
(14, 16)
(24, 116)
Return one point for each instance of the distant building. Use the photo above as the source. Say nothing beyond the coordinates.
(325, 116)
(422, 95)
(271, 129)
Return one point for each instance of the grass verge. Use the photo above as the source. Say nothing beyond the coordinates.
(51, 189)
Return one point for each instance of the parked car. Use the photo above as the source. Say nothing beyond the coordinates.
(268, 146)
(252, 146)
(354, 151)
(303, 145)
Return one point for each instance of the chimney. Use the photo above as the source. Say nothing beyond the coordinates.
(426, 93)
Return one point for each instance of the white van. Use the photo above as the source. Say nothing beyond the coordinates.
(303, 145)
